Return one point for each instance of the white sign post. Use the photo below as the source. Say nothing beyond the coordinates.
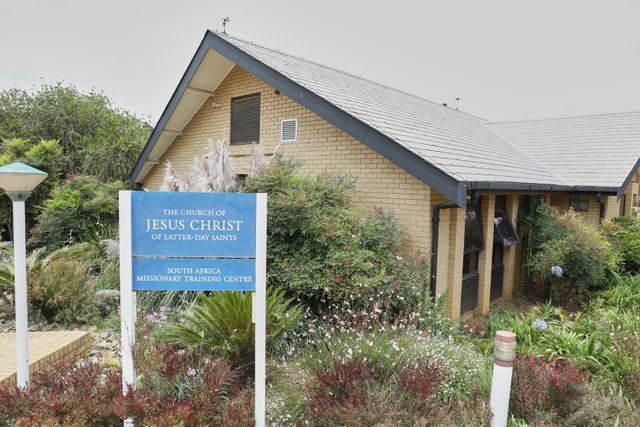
(260, 310)
(161, 230)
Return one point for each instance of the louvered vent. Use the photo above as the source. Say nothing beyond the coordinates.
(245, 119)
(289, 130)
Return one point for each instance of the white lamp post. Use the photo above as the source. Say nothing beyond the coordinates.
(18, 180)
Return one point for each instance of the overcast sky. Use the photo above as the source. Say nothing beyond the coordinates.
(505, 59)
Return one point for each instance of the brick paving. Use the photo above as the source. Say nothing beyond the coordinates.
(45, 349)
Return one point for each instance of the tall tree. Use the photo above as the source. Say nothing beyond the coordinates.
(96, 137)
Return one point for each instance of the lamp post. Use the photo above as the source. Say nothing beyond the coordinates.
(18, 180)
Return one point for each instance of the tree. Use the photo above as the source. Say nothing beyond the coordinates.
(45, 155)
(96, 137)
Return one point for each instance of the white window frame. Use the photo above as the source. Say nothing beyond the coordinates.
(295, 137)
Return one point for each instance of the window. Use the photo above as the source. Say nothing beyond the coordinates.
(245, 119)
(289, 130)
(473, 228)
(579, 202)
(470, 263)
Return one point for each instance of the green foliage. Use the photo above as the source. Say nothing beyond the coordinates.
(580, 249)
(79, 210)
(96, 137)
(624, 234)
(222, 323)
(321, 248)
(602, 340)
(45, 155)
(60, 292)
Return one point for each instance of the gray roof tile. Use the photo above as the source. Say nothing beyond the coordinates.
(598, 150)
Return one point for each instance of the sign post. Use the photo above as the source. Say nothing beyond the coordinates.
(193, 242)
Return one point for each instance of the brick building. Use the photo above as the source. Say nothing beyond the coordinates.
(451, 178)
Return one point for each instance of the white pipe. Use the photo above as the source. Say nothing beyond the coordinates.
(20, 276)
(504, 355)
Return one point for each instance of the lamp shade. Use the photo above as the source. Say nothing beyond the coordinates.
(20, 178)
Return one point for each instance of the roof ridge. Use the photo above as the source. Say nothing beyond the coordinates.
(576, 116)
(524, 153)
(219, 33)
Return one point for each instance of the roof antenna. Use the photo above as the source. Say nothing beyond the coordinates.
(224, 24)
(457, 102)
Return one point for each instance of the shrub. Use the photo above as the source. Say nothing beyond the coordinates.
(175, 388)
(45, 155)
(60, 292)
(96, 137)
(341, 386)
(80, 210)
(78, 395)
(222, 323)
(575, 259)
(624, 234)
(320, 248)
(541, 387)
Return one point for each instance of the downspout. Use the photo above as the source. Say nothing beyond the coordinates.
(601, 201)
(435, 224)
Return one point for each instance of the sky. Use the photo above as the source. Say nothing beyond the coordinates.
(505, 59)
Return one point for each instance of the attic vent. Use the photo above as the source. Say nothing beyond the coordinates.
(289, 130)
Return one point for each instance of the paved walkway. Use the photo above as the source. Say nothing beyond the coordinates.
(45, 349)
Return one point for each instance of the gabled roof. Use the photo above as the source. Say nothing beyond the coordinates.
(448, 150)
(597, 150)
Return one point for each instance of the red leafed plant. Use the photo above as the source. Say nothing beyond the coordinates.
(423, 379)
(540, 386)
(341, 386)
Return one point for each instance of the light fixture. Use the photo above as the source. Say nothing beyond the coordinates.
(18, 180)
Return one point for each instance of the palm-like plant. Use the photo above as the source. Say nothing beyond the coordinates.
(222, 323)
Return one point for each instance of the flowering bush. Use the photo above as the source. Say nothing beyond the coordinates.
(322, 249)
(574, 259)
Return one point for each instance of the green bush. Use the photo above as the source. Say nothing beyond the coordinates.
(80, 210)
(574, 258)
(45, 155)
(321, 248)
(624, 234)
(96, 138)
(60, 291)
(222, 323)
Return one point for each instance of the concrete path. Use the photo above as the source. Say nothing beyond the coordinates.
(45, 349)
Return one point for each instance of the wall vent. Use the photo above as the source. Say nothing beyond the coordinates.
(289, 130)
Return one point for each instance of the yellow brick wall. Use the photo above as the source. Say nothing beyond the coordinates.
(320, 146)
(592, 216)
(633, 197)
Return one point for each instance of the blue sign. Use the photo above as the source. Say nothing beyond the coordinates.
(162, 274)
(193, 224)
(193, 241)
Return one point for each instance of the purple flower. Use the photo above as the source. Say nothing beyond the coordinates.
(540, 324)
(191, 372)
(557, 271)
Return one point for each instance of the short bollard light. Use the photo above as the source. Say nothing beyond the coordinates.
(18, 180)
(504, 356)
